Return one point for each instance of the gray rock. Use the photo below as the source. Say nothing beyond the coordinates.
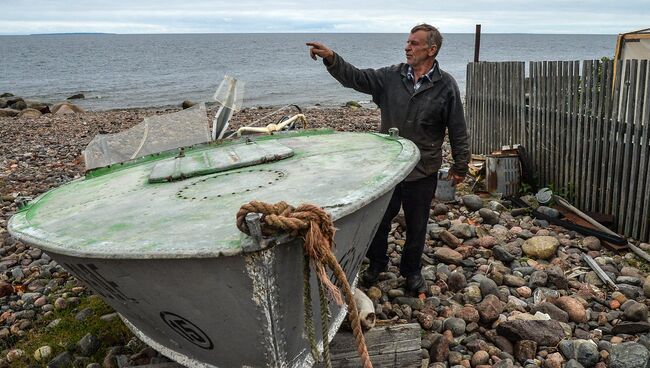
(456, 281)
(63, 360)
(505, 363)
(464, 231)
(630, 280)
(584, 351)
(646, 287)
(488, 286)
(84, 314)
(644, 340)
(556, 278)
(628, 355)
(592, 243)
(573, 364)
(88, 345)
(501, 253)
(514, 281)
(472, 202)
(636, 312)
(548, 211)
(455, 325)
(546, 333)
(187, 104)
(630, 291)
(440, 209)
(77, 96)
(552, 310)
(489, 216)
(631, 328)
(538, 279)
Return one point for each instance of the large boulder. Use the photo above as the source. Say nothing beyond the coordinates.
(540, 247)
(66, 108)
(628, 355)
(37, 105)
(17, 104)
(187, 104)
(30, 114)
(8, 113)
(545, 333)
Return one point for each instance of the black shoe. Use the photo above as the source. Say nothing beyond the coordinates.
(371, 275)
(416, 283)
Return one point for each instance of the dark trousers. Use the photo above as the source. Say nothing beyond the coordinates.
(415, 197)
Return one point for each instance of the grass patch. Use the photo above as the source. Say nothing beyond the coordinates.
(69, 331)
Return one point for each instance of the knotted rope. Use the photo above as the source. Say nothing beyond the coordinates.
(315, 227)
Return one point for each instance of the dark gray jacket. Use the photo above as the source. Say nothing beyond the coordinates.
(420, 116)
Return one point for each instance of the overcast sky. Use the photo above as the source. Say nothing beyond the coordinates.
(247, 16)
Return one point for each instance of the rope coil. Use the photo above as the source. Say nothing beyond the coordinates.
(315, 227)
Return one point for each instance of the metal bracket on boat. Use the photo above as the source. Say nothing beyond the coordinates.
(256, 241)
(393, 133)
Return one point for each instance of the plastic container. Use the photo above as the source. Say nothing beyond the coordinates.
(445, 190)
(503, 174)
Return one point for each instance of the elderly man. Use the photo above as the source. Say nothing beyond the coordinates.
(422, 101)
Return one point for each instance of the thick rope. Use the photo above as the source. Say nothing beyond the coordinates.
(316, 228)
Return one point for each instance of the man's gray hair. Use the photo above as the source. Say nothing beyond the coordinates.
(433, 35)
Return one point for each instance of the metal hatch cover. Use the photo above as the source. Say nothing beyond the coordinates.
(208, 162)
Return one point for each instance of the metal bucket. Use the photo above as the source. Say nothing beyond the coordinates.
(503, 174)
(445, 190)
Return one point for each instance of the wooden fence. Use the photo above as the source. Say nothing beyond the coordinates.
(585, 126)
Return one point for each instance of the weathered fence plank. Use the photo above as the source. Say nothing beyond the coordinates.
(644, 178)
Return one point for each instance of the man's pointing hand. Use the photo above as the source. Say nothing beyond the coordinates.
(318, 49)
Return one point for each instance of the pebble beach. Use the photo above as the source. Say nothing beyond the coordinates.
(503, 289)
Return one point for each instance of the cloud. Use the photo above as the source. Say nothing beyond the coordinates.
(193, 16)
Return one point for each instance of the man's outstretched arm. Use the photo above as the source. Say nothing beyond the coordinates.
(368, 81)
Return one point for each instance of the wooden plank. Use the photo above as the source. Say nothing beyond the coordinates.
(393, 346)
(580, 135)
(635, 209)
(644, 219)
(633, 140)
(613, 147)
(537, 123)
(468, 106)
(532, 118)
(605, 114)
(550, 157)
(591, 122)
(620, 143)
(540, 123)
(557, 126)
(521, 102)
(629, 144)
(543, 123)
(564, 122)
(499, 133)
(571, 126)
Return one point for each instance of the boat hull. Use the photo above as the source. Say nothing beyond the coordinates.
(230, 311)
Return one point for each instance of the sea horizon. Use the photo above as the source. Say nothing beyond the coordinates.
(117, 71)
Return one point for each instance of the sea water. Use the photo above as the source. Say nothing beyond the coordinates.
(119, 71)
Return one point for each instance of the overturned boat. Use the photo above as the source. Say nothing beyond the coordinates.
(156, 237)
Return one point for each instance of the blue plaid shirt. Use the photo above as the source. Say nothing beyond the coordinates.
(428, 76)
